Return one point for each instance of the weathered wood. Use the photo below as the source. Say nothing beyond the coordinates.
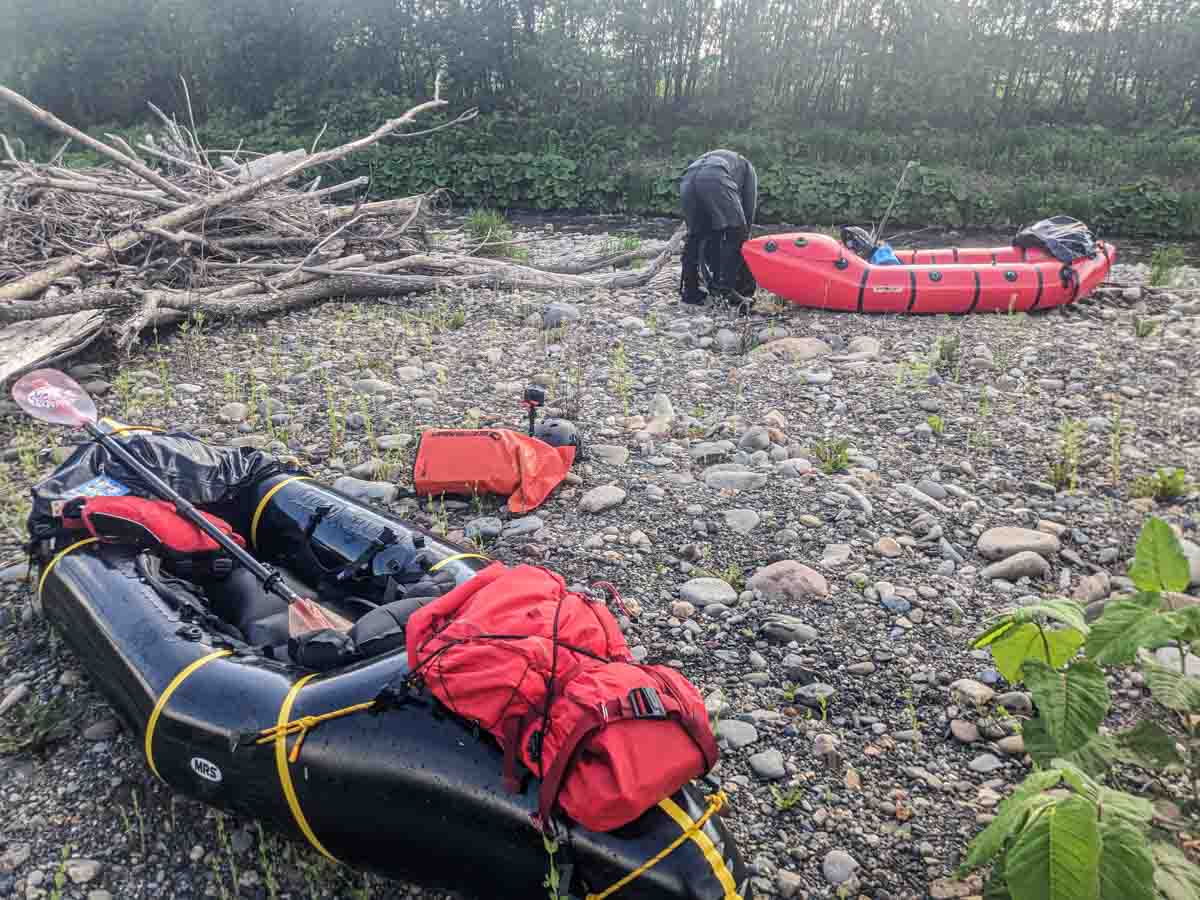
(27, 345)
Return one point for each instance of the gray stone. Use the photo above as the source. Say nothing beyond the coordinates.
(796, 349)
(706, 451)
(487, 527)
(81, 871)
(14, 857)
(741, 520)
(1092, 588)
(613, 455)
(768, 765)
(598, 499)
(836, 555)
(558, 314)
(1003, 542)
(733, 477)
(1169, 658)
(788, 582)
(103, 730)
(523, 526)
(964, 732)
(379, 491)
(1016, 702)
(373, 386)
(838, 866)
(232, 413)
(661, 408)
(1192, 552)
(788, 884)
(702, 592)
(781, 629)
(736, 732)
(394, 441)
(756, 438)
(985, 764)
(816, 695)
(1025, 564)
(13, 697)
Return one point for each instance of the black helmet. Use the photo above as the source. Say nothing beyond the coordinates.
(558, 433)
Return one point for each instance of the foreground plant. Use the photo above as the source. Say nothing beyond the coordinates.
(1064, 835)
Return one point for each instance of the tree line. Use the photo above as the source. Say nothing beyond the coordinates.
(883, 64)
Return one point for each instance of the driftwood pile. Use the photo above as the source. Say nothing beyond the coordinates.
(168, 228)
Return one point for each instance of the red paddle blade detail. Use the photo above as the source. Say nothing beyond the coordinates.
(52, 396)
(305, 616)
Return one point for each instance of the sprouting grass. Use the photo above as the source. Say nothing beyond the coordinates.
(622, 378)
(833, 454)
(1064, 468)
(945, 354)
(936, 423)
(1143, 328)
(1163, 264)
(266, 861)
(785, 800)
(489, 228)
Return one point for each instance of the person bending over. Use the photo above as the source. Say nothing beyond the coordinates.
(719, 194)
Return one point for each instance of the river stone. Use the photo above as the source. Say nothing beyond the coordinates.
(739, 734)
(768, 765)
(613, 455)
(379, 491)
(707, 450)
(702, 592)
(781, 629)
(232, 413)
(836, 555)
(394, 441)
(81, 871)
(601, 498)
(796, 349)
(838, 866)
(487, 527)
(1192, 552)
(816, 695)
(757, 438)
(975, 692)
(733, 477)
(661, 408)
(1026, 564)
(985, 764)
(557, 314)
(1003, 542)
(373, 386)
(864, 345)
(13, 697)
(523, 526)
(788, 582)
(741, 520)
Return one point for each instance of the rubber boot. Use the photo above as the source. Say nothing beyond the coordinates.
(689, 284)
(731, 267)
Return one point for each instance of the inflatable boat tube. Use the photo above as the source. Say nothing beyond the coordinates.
(818, 271)
(404, 789)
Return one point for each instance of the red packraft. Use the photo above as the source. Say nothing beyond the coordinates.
(548, 673)
(490, 461)
(145, 523)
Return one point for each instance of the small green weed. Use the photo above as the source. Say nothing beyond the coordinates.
(1163, 264)
(833, 454)
(1143, 328)
(733, 575)
(1164, 484)
(1064, 469)
(32, 727)
(786, 800)
(936, 423)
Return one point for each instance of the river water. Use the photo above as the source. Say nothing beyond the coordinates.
(1129, 249)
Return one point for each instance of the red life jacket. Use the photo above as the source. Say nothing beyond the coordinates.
(490, 461)
(147, 523)
(548, 673)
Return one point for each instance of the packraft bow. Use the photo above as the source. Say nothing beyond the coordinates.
(197, 663)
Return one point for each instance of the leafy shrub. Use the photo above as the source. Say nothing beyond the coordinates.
(1063, 834)
(833, 455)
(1163, 263)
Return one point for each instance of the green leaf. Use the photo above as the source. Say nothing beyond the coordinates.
(1118, 805)
(1031, 642)
(1171, 688)
(1174, 874)
(1058, 609)
(1071, 704)
(1094, 757)
(1077, 778)
(994, 631)
(1159, 563)
(1114, 636)
(1126, 867)
(1010, 817)
(1147, 745)
(1057, 856)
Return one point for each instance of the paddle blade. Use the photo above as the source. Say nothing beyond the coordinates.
(52, 396)
(305, 616)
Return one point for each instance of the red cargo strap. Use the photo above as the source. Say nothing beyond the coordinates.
(611, 711)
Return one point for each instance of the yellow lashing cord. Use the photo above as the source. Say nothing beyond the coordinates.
(161, 704)
(304, 723)
(691, 831)
(438, 565)
(279, 735)
(54, 562)
(262, 505)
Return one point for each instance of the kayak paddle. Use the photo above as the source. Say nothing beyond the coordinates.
(52, 396)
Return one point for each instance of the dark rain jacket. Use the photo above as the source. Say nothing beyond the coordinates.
(719, 190)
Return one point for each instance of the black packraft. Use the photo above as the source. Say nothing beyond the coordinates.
(1066, 239)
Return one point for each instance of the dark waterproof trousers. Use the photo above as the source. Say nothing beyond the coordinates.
(715, 198)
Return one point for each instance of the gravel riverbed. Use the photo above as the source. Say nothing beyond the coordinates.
(824, 610)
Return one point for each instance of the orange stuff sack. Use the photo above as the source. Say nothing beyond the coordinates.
(464, 462)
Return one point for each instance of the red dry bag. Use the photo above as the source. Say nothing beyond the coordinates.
(464, 462)
(548, 673)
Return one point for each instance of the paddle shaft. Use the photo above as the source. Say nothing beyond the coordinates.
(270, 579)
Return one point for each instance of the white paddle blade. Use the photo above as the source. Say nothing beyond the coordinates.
(52, 396)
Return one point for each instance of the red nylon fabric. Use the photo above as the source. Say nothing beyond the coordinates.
(487, 651)
(490, 461)
(105, 518)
